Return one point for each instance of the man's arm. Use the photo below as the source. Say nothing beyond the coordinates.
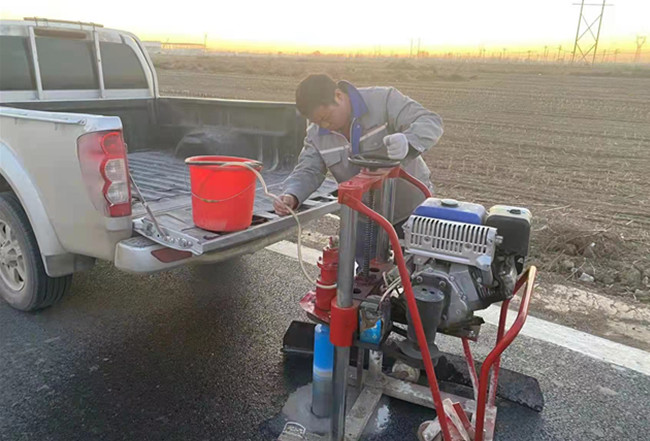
(308, 174)
(422, 127)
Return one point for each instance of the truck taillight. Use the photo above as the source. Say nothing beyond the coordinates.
(105, 171)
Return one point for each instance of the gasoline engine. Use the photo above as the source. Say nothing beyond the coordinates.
(462, 258)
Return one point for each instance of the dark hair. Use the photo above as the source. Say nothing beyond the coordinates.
(314, 91)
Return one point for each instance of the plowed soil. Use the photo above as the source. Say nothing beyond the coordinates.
(572, 143)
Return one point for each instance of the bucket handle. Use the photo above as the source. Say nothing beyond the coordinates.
(214, 201)
(253, 163)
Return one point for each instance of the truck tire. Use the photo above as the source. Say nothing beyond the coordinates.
(24, 284)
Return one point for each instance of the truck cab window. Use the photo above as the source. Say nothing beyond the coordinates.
(122, 68)
(66, 64)
(16, 71)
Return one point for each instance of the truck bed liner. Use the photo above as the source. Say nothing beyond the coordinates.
(164, 182)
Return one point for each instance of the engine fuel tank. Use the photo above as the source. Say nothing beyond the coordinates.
(451, 210)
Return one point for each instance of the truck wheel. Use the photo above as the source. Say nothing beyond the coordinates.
(24, 284)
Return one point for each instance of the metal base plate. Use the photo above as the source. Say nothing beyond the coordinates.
(450, 368)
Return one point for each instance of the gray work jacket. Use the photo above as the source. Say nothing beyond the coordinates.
(371, 108)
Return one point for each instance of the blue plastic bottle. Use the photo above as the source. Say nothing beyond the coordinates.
(323, 369)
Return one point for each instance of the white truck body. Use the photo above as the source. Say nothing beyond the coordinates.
(62, 80)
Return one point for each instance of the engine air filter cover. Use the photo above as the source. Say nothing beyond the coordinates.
(513, 225)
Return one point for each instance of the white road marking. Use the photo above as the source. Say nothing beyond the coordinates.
(286, 248)
(578, 341)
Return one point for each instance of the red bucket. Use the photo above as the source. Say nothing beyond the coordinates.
(222, 196)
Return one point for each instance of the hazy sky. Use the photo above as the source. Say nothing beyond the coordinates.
(349, 24)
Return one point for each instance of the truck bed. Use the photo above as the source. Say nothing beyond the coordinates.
(161, 176)
(164, 182)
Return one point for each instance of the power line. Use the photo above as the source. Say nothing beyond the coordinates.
(584, 46)
(640, 41)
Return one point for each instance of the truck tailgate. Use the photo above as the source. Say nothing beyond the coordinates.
(164, 182)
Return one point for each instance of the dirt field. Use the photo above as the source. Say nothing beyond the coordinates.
(570, 143)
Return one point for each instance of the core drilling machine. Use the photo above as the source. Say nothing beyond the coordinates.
(455, 258)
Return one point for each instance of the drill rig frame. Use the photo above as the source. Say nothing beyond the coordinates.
(458, 418)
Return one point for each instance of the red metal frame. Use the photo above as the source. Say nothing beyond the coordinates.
(471, 367)
(343, 324)
(359, 206)
(413, 180)
(317, 303)
(503, 341)
(350, 194)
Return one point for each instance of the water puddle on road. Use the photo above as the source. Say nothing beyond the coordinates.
(298, 410)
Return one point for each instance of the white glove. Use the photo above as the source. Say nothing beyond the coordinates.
(397, 146)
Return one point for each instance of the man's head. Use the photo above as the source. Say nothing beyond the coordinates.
(320, 100)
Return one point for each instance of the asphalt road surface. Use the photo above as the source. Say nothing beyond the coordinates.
(194, 354)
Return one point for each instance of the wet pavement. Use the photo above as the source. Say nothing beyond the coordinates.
(195, 354)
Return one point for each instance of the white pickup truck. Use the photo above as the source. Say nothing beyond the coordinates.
(73, 96)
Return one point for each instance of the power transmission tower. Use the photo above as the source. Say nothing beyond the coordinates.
(640, 41)
(581, 43)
